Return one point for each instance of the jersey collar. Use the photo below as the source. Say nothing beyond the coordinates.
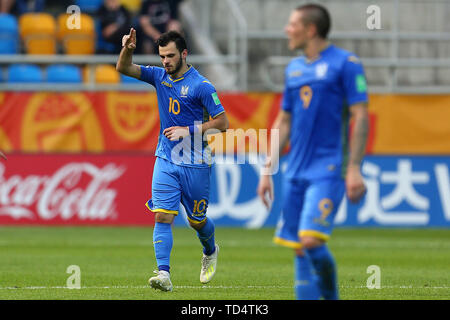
(184, 74)
(320, 54)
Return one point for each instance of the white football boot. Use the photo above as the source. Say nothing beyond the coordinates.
(161, 281)
(209, 265)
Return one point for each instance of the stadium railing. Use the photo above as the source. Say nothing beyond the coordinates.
(234, 61)
(393, 33)
(235, 34)
(93, 60)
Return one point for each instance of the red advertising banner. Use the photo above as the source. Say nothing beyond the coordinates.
(81, 121)
(76, 189)
(106, 121)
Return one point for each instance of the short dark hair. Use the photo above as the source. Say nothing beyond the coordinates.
(317, 15)
(170, 36)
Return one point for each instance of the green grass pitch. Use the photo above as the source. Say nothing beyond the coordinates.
(115, 263)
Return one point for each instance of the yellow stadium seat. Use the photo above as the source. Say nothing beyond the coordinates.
(77, 39)
(78, 46)
(105, 73)
(102, 73)
(40, 46)
(86, 74)
(38, 32)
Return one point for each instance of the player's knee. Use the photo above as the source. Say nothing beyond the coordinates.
(311, 242)
(162, 217)
(197, 225)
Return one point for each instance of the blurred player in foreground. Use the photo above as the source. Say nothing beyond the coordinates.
(184, 97)
(323, 88)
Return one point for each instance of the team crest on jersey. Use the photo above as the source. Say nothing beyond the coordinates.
(321, 70)
(184, 91)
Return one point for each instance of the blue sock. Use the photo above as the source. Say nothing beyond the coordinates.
(325, 267)
(305, 280)
(162, 242)
(206, 236)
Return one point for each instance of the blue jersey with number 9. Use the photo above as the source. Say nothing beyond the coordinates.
(318, 94)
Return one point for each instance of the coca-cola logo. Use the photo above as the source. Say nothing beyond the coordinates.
(75, 190)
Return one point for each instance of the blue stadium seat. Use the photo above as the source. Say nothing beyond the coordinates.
(24, 73)
(9, 34)
(129, 80)
(89, 6)
(64, 73)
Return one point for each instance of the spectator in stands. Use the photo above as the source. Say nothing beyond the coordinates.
(155, 18)
(115, 21)
(19, 7)
(6, 6)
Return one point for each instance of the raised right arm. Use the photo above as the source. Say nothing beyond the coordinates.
(125, 64)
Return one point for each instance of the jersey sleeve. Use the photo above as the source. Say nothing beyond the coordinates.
(149, 74)
(210, 99)
(354, 81)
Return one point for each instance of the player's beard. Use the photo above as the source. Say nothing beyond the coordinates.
(177, 67)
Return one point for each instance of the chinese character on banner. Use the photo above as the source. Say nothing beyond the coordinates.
(443, 184)
(382, 209)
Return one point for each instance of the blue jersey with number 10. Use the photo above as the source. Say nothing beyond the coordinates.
(181, 102)
(317, 94)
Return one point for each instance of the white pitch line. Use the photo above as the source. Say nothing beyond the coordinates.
(395, 287)
(144, 287)
(212, 287)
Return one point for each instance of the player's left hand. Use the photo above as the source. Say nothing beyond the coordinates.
(354, 184)
(176, 133)
(2, 155)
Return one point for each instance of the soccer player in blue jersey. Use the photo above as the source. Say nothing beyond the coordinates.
(323, 89)
(186, 101)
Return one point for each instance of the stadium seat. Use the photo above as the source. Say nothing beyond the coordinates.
(23, 73)
(63, 73)
(105, 73)
(77, 40)
(89, 6)
(85, 73)
(37, 31)
(9, 33)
